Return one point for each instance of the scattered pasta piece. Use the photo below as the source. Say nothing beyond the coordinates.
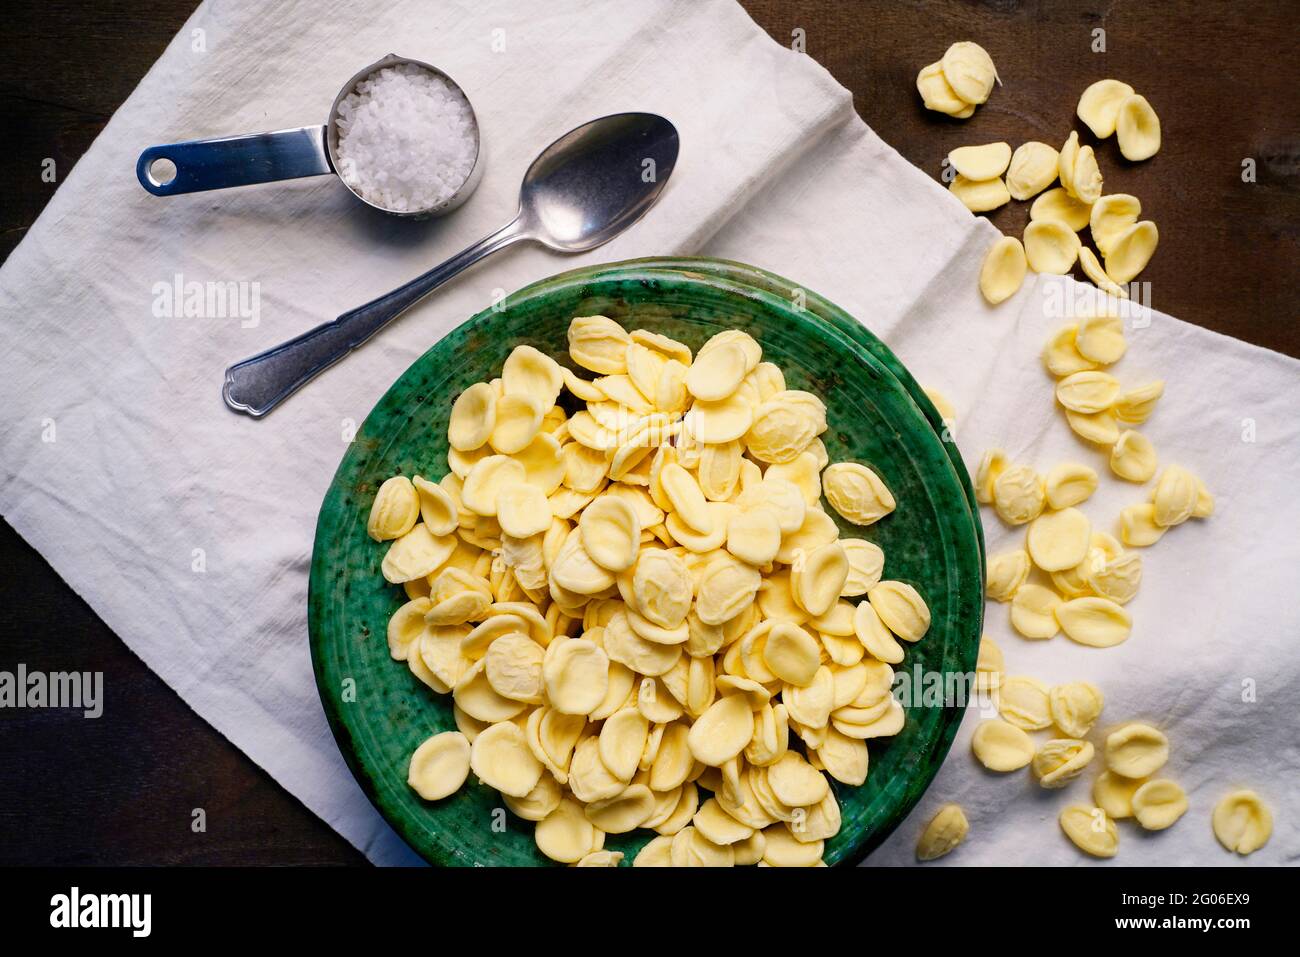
(1138, 526)
(1158, 804)
(946, 830)
(601, 859)
(1086, 178)
(990, 667)
(1003, 271)
(1111, 216)
(980, 196)
(1033, 168)
(1005, 574)
(473, 417)
(1133, 457)
(1094, 621)
(1033, 612)
(1114, 793)
(1069, 484)
(1059, 540)
(1058, 205)
(1135, 405)
(1061, 760)
(1100, 428)
(1088, 392)
(1094, 271)
(981, 162)
(1061, 356)
(1176, 496)
(1136, 750)
(1018, 495)
(1066, 161)
(901, 608)
(1001, 747)
(1090, 830)
(946, 410)
(1116, 578)
(1099, 106)
(1075, 707)
(990, 467)
(938, 95)
(1138, 129)
(1242, 823)
(1100, 339)
(1131, 250)
(1051, 247)
(969, 71)
(1024, 702)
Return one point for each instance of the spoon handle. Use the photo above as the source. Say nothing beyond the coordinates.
(236, 161)
(259, 383)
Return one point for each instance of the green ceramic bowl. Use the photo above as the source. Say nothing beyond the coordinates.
(380, 713)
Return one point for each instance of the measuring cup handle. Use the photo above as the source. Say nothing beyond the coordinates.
(259, 383)
(236, 160)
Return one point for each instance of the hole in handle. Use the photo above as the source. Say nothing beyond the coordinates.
(161, 171)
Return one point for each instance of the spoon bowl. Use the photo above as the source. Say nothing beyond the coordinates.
(595, 181)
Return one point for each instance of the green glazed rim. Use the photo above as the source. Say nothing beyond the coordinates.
(379, 712)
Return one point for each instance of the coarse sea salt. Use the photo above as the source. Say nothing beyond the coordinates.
(407, 139)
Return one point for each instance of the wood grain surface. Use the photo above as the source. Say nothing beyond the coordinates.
(122, 789)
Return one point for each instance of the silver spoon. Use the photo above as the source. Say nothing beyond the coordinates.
(582, 191)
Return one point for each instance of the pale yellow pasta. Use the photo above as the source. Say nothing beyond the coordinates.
(1069, 484)
(1094, 621)
(1033, 612)
(1058, 540)
(1133, 457)
(1061, 355)
(1138, 128)
(1060, 205)
(1090, 830)
(1061, 760)
(857, 493)
(1005, 574)
(990, 666)
(969, 71)
(440, 765)
(946, 830)
(1242, 822)
(1033, 168)
(1136, 750)
(644, 589)
(1099, 105)
(395, 510)
(1024, 702)
(1100, 338)
(1018, 495)
(1113, 793)
(1001, 746)
(1003, 270)
(1075, 707)
(1158, 804)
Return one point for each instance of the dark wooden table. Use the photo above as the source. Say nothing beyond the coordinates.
(1222, 75)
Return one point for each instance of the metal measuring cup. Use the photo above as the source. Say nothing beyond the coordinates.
(285, 154)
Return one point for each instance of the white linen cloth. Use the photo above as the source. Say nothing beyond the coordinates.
(189, 529)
